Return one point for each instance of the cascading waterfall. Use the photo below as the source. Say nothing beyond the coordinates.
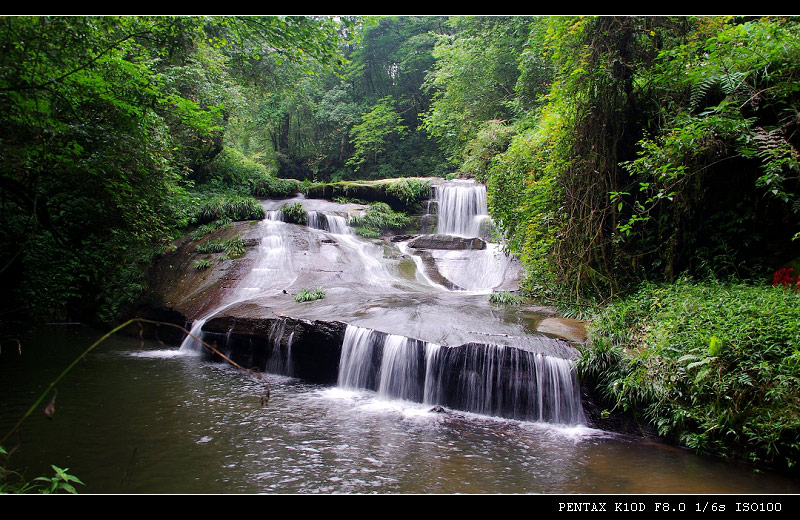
(358, 367)
(462, 209)
(506, 381)
(525, 383)
(335, 224)
(272, 269)
(400, 369)
(493, 380)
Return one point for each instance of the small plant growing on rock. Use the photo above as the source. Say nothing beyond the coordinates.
(203, 263)
(233, 247)
(308, 295)
(504, 298)
(205, 229)
(294, 214)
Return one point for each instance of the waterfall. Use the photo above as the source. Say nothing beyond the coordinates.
(505, 381)
(191, 342)
(462, 209)
(274, 215)
(492, 380)
(338, 225)
(357, 367)
(335, 224)
(277, 363)
(272, 269)
(400, 369)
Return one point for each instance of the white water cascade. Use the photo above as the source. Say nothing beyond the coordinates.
(331, 223)
(462, 208)
(492, 380)
(384, 293)
(272, 270)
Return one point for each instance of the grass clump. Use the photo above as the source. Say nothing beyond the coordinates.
(410, 190)
(715, 367)
(294, 213)
(349, 200)
(227, 206)
(203, 263)
(505, 298)
(234, 247)
(206, 229)
(307, 295)
(378, 219)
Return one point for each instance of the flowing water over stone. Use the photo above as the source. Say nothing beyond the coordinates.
(462, 208)
(403, 378)
(407, 337)
(486, 379)
(138, 418)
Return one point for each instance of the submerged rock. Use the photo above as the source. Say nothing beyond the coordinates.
(573, 330)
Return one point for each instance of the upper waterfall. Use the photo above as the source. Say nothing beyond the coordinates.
(462, 208)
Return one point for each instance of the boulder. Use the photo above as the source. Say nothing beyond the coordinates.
(446, 242)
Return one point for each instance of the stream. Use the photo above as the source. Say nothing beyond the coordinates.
(438, 390)
(139, 418)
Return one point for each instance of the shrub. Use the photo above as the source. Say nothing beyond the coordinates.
(221, 206)
(505, 298)
(272, 187)
(410, 190)
(713, 366)
(294, 213)
(378, 218)
(307, 295)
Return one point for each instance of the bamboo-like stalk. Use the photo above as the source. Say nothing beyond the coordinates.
(94, 345)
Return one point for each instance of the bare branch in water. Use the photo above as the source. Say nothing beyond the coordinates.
(50, 408)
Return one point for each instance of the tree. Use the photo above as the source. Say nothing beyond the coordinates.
(370, 137)
(474, 78)
(105, 120)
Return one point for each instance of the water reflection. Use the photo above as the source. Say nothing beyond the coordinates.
(152, 421)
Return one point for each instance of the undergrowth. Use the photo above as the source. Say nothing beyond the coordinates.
(214, 206)
(713, 366)
(294, 213)
(206, 229)
(378, 218)
(410, 190)
(505, 298)
(13, 482)
(233, 247)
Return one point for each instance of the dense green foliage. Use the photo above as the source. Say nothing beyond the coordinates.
(409, 190)
(714, 366)
(664, 145)
(379, 219)
(107, 124)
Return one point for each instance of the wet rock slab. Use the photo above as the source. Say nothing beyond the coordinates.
(448, 242)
